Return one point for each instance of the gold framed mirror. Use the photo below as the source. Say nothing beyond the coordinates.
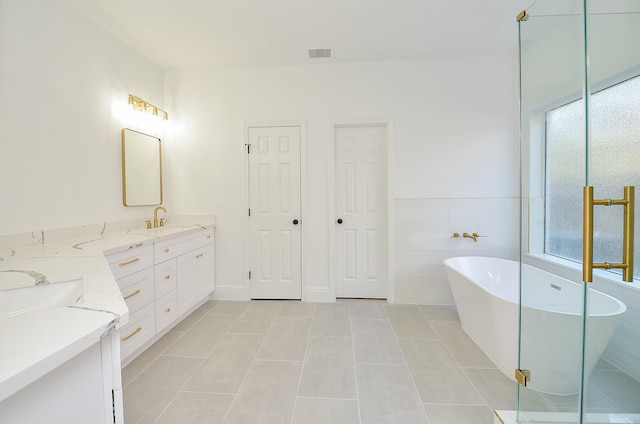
(141, 169)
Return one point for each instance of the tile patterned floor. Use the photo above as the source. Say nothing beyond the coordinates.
(351, 362)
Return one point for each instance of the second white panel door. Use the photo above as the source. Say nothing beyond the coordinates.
(275, 221)
(361, 212)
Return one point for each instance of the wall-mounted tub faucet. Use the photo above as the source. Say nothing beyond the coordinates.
(473, 236)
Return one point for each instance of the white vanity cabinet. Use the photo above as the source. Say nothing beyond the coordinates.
(161, 283)
(166, 303)
(193, 256)
(195, 276)
(85, 389)
(134, 273)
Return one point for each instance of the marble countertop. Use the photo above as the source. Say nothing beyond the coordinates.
(35, 342)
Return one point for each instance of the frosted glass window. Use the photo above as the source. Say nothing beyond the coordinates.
(612, 163)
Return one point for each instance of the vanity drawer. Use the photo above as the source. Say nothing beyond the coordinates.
(165, 277)
(138, 289)
(130, 261)
(140, 329)
(166, 310)
(171, 248)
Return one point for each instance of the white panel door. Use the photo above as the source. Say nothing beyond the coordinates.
(361, 212)
(274, 201)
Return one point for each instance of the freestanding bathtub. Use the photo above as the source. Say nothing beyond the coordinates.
(487, 291)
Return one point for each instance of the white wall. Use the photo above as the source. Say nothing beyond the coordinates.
(455, 124)
(62, 80)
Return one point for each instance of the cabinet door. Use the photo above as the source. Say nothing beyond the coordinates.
(204, 272)
(140, 329)
(186, 282)
(165, 278)
(137, 289)
(130, 261)
(166, 311)
(195, 277)
(74, 392)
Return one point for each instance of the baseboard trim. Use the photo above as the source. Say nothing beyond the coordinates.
(318, 294)
(230, 293)
(311, 294)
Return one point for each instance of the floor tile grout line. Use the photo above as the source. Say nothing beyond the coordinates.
(351, 307)
(253, 362)
(186, 357)
(466, 375)
(160, 354)
(355, 368)
(613, 402)
(304, 360)
(406, 364)
(446, 346)
(326, 398)
(455, 404)
(166, 407)
(163, 351)
(197, 369)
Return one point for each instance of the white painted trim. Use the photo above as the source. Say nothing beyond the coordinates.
(303, 199)
(319, 294)
(331, 196)
(331, 207)
(230, 293)
(391, 263)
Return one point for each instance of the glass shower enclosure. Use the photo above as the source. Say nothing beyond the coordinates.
(579, 355)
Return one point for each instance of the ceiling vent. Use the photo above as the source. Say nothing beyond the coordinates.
(319, 53)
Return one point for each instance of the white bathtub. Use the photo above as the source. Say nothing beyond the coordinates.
(486, 292)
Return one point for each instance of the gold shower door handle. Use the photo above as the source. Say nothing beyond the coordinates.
(587, 236)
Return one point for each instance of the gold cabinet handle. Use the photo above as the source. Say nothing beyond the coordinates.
(198, 256)
(587, 234)
(168, 310)
(166, 250)
(136, 331)
(134, 260)
(132, 294)
(167, 277)
(209, 236)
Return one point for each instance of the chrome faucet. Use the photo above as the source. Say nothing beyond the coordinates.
(155, 217)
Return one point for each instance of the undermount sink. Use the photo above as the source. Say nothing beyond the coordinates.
(169, 229)
(18, 301)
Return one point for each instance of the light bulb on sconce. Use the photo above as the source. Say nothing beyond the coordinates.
(140, 105)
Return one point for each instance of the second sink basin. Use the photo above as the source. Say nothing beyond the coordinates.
(19, 301)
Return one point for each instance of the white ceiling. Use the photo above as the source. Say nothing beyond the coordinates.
(183, 34)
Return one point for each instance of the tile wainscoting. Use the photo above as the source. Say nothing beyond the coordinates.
(423, 239)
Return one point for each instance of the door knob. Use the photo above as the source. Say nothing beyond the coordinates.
(295, 222)
(339, 221)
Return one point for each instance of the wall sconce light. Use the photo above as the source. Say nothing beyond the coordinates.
(142, 106)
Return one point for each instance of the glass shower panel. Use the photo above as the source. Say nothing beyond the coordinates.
(613, 27)
(580, 126)
(551, 326)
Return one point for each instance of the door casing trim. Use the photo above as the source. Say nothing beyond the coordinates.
(246, 246)
(387, 123)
